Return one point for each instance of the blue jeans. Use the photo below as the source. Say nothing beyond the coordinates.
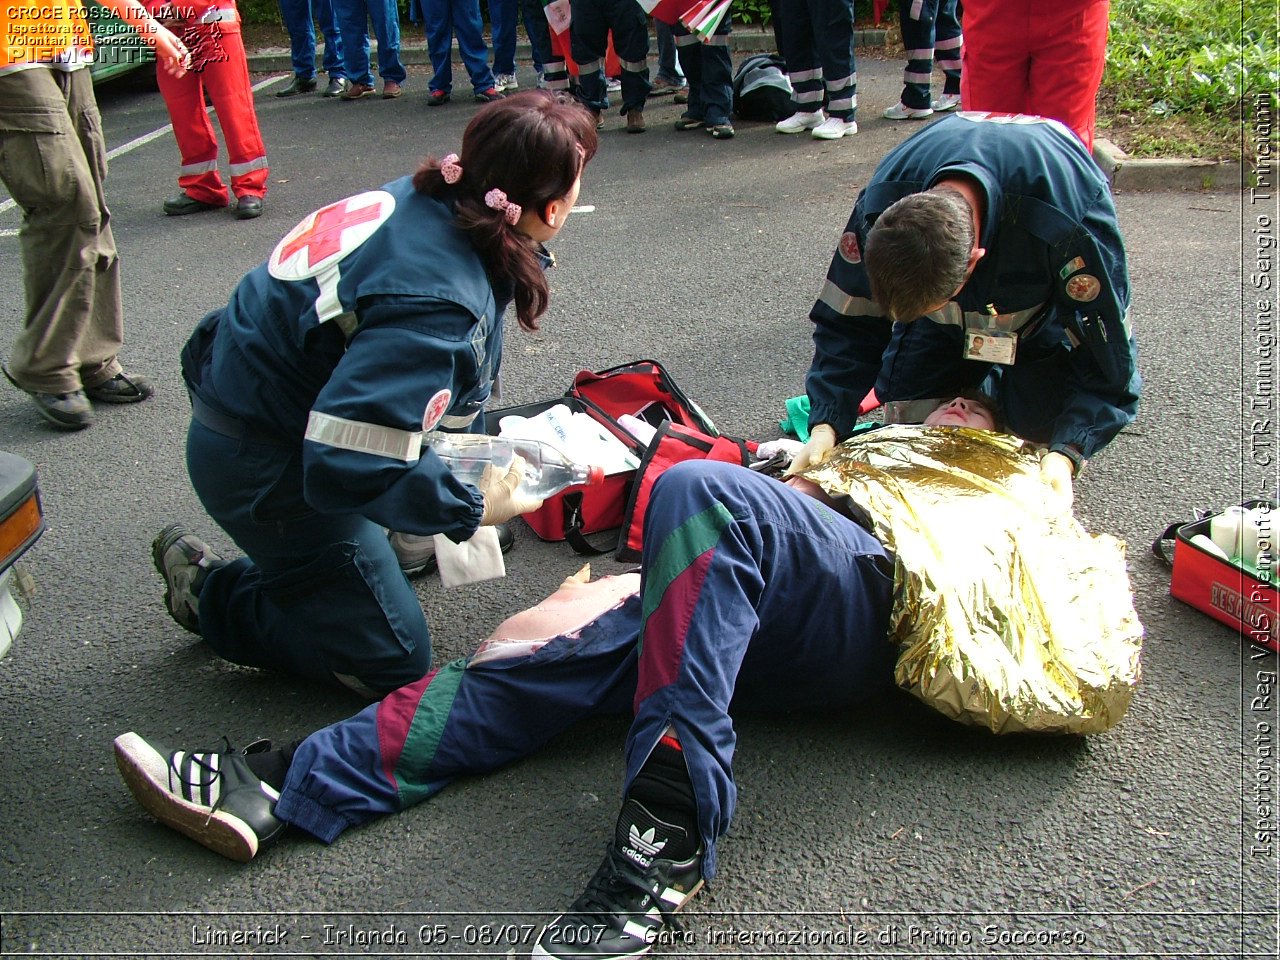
(503, 15)
(353, 20)
(317, 595)
(297, 16)
(442, 20)
(668, 62)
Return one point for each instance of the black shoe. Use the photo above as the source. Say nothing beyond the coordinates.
(632, 896)
(183, 204)
(214, 798)
(122, 388)
(185, 561)
(336, 88)
(417, 555)
(248, 207)
(297, 85)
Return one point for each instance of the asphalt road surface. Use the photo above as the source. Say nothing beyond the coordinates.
(891, 832)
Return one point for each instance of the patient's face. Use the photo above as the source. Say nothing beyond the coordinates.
(961, 412)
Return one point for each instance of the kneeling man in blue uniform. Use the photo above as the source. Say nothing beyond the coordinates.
(983, 252)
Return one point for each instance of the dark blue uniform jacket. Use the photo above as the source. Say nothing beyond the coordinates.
(1054, 267)
(368, 327)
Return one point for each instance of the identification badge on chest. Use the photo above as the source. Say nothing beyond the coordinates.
(991, 342)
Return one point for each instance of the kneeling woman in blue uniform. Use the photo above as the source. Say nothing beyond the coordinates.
(375, 319)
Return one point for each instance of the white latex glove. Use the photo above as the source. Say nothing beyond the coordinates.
(502, 496)
(822, 439)
(1057, 471)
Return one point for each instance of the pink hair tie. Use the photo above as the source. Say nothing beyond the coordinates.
(450, 169)
(495, 199)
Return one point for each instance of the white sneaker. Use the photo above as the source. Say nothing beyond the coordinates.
(613, 84)
(948, 101)
(833, 128)
(900, 111)
(800, 122)
(506, 81)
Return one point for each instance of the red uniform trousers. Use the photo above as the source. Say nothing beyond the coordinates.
(1029, 56)
(211, 32)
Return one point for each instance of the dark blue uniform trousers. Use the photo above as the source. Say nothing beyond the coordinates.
(589, 39)
(929, 25)
(751, 593)
(708, 67)
(320, 595)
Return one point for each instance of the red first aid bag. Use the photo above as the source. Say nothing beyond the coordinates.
(671, 445)
(642, 389)
(1224, 590)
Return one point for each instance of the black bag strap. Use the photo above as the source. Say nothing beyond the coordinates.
(573, 534)
(1162, 548)
(665, 383)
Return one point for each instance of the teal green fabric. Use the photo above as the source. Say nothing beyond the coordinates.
(796, 422)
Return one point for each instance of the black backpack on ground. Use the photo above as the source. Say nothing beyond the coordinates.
(761, 90)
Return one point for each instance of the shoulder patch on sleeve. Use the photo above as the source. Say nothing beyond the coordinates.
(436, 408)
(1074, 265)
(1083, 288)
(849, 248)
(329, 234)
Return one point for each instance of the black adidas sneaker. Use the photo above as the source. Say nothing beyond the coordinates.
(214, 798)
(650, 870)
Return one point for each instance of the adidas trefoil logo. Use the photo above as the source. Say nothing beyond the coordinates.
(642, 845)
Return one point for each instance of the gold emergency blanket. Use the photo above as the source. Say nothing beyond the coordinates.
(1005, 616)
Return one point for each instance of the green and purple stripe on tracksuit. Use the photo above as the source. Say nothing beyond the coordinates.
(750, 593)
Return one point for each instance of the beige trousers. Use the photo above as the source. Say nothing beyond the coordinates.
(53, 161)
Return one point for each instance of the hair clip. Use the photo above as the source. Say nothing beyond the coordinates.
(495, 199)
(450, 169)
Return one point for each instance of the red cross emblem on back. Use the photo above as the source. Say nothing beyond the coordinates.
(330, 232)
(324, 239)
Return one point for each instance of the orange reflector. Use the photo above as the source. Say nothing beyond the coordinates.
(20, 528)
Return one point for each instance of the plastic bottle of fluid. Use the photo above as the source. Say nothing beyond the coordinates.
(547, 471)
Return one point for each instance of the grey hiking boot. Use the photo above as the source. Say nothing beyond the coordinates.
(66, 411)
(185, 561)
(122, 388)
(417, 554)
